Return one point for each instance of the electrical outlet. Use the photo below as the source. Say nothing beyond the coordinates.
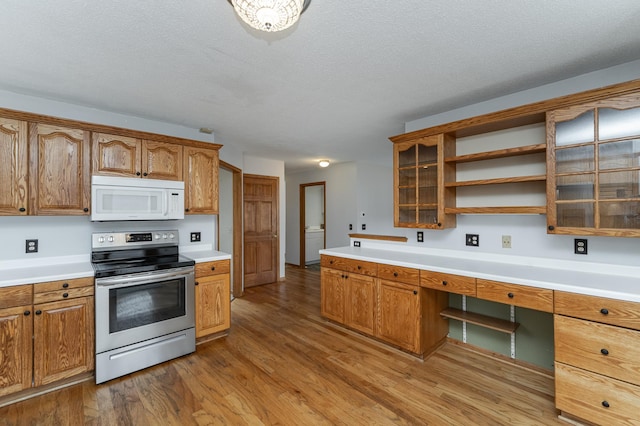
(351, 227)
(506, 241)
(420, 237)
(356, 243)
(364, 227)
(473, 240)
(195, 237)
(31, 246)
(580, 246)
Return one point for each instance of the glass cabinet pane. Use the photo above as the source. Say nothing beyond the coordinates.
(407, 177)
(615, 123)
(575, 187)
(578, 159)
(407, 214)
(619, 155)
(428, 184)
(579, 130)
(428, 215)
(575, 215)
(620, 215)
(618, 185)
(407, 157)
(427, 154)
(407, 196)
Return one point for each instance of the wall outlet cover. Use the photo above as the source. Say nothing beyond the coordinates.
(472, 240)
(195, 237)
(364, 227)
(580, 246)
(506, 241)
(31, 246)
(420, 237)
(356, 243)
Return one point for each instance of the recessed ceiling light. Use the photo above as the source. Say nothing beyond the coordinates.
(323, 163)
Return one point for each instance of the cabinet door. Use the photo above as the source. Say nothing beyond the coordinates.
(59, 176)
(360, 302)
(63, 343)
(200, 180)
(13, 167)
(161, 160)
(399, 314)
(419, 175)
(332, 294)
(16, 328)
(115, 155)
(213, 304)
(593, 168)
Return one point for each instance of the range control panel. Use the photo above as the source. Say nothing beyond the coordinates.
(115, 240)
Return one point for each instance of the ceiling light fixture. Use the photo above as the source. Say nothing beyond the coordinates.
(323, 163)
(270, 15)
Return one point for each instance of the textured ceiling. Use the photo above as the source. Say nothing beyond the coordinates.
(335, 86)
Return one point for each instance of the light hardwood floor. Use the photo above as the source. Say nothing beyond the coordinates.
(283, 364)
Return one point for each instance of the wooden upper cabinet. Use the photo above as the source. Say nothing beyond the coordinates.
(13, 167)
(200, 180)
(593, 168)
(59, 162)
(420, 196)
(130, 157)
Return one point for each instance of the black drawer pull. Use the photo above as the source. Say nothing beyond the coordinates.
(331, 262)
(22, 209)
(65, 285)
(415, 291)
(197, 283)
(359, 267)
(510, 295)
(439, 224)
(38, 312)
(395, 274)
(137, 173)
(605, 404)
(65, 295)
(27, 313)
(213, 268)
(444, 283)
(85, 209)
(604, 311)
(145, 174)
(604, 351)
(186, 210)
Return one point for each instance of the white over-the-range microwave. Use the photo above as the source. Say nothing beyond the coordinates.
(120, 198)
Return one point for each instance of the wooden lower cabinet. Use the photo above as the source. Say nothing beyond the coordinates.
(332, 294)
(360, 311)
(42, 343)
(213, 297)
(399, 314)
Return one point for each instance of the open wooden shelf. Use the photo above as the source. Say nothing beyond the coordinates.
(500, 153)
(497, 210)
(379, 237)
(517, 179)
(497, 324)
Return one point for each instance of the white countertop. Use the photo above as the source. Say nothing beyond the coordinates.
(17, 272)
(604, 280)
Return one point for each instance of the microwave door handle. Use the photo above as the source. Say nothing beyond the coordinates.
(165, 203)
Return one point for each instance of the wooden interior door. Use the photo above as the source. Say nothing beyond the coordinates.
(260, 230)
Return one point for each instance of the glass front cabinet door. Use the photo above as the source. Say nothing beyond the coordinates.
(593, 168)
(420, 196)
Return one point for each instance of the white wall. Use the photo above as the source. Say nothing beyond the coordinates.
(268, 167)
(375, 198)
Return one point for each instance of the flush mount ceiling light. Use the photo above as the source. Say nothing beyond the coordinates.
(323, 163)
(270, 15)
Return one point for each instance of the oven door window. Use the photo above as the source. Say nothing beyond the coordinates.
(139, 305)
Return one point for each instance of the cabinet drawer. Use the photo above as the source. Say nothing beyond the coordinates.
(216, 267)
(536, 298)
(604, 349)
(62, 285)
(594, 397)
(18, 295)
(57, 295)
(349, 265)
(608, 311)
(399, 273)
(448, 282)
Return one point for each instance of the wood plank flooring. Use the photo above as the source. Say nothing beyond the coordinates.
(283, 364)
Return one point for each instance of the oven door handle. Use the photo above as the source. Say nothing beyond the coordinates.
(136, 279)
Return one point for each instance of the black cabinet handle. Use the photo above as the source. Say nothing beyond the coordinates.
(65, 285)
(415, 291)
(444, 283)
(604, 311)
(510, 295)
(22, 209)
(137, 173)
(27, 313)
(342, 276)
(85, 209)
(65, 295)
(186, 210)
(359, 267)
(331, 262)
(604, 351)
(38, 312)
(395, 274)
(213, 268)
(197, 283)
(605, 404)
(551, 227)
(144, 174)
(439, 224)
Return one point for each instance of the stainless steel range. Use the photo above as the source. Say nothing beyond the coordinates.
(144, 301)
